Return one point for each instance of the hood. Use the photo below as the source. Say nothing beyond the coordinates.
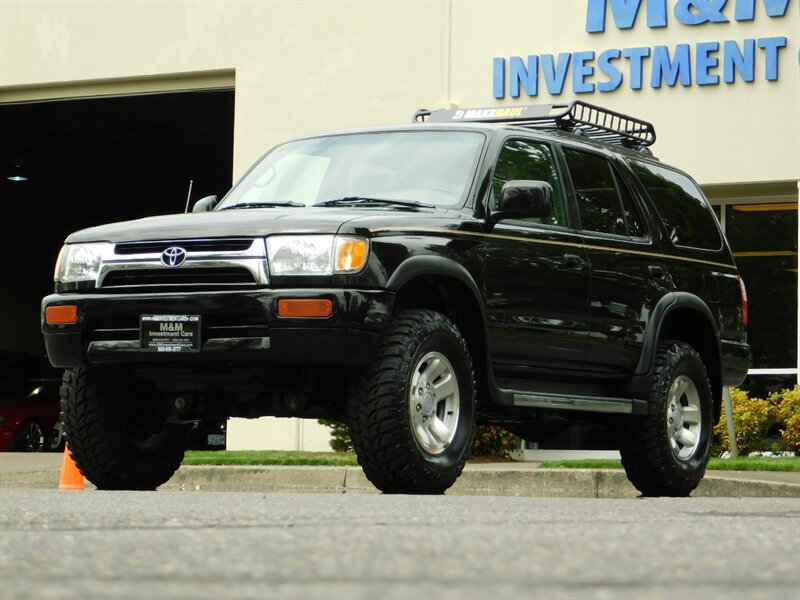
(254, 222)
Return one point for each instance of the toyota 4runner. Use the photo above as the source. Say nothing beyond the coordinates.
(530, 267)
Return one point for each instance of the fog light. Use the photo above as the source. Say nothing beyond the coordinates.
(64, 314)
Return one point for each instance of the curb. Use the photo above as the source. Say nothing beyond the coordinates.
(544, 483)
(524, 482)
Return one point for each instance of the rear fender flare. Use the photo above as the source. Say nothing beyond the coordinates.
(653, 335)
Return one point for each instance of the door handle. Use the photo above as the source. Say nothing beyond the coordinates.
(573, 261)
(657, 271)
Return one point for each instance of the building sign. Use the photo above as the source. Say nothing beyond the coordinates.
(702, 64)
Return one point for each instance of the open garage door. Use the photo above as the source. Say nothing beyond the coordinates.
(70, 164)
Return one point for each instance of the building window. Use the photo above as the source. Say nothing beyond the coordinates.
(763, 238)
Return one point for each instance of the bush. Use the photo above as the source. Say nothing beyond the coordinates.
(340, 435)
(489, 440)
(754, 418)
(494, 441)
(751, 417)
(787, 411)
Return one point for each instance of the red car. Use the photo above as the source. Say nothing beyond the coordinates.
(29, 404)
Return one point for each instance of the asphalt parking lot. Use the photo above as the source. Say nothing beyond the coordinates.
(170, 544)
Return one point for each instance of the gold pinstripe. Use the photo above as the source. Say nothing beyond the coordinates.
(442, 230)
(765, 253)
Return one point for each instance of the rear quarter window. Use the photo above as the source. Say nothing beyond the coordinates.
(683, 209)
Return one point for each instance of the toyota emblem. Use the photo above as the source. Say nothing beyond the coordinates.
(173, 256)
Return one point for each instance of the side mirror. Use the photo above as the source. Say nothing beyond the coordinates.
(205, 204)
(522, 198)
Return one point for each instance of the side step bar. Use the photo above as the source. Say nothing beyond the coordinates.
(585, 403)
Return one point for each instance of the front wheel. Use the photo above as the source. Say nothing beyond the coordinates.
(665, 453)
(412, 412)
(30, 437)
(116, 432)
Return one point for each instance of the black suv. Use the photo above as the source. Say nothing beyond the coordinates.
(529, 267)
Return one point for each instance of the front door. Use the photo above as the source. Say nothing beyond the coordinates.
(537, 276)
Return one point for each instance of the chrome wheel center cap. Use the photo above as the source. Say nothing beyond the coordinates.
(427, 403)
(676, 417)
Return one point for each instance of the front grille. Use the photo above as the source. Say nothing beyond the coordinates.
(213, 326)
(201, 276)
(222, 246)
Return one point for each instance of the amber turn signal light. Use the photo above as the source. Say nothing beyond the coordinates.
(313, 308)
(351, 253)
(65, 314)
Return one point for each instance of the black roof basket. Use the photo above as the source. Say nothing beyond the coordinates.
(577, 117)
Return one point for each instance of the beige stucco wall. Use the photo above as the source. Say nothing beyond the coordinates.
(299, 67)
(305, 66)
(278, 434)
(725, 133)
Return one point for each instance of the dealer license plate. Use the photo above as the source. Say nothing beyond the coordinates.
(169, 333)
(216, 439)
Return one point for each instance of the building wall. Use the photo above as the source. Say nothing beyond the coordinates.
(300, 67)
(278, 434)
(306, 66)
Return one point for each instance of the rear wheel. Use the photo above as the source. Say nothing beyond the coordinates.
(665, 453)
(117, 434)
(412, 412)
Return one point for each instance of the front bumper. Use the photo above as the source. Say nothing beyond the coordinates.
(236, 326)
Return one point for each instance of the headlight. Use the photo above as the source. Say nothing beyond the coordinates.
(315, 254)
(81, 262)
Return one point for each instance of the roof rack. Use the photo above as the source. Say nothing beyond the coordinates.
(577, 117)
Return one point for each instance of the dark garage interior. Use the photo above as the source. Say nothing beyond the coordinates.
(70, 164)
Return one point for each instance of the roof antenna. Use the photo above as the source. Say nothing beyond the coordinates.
(189, 195)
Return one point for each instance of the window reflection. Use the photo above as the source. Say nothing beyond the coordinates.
(681, 206)
(599, 199)
(524, 160)
(763, 238)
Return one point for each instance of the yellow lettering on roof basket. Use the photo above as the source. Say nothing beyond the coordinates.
(598, 123)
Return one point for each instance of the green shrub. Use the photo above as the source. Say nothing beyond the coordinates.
(340, 435)
(787, 412)
(494, 441)
(751, 417)
(754, 418)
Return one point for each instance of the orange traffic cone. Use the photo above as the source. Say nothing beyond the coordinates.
(71, 477)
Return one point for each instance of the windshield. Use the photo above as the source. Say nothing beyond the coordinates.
(428, 168)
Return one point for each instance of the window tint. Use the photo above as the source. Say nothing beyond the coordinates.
(681, 206)
(431, 167)
(763, 238)
(632, 218)
(598, 199)
(520, 159)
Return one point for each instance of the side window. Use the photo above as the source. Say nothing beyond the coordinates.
(521, 159)
(599, 195)
(632, 216)
(681, 205)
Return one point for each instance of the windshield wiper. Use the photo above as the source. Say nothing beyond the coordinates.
(364, 200)
(262, 205)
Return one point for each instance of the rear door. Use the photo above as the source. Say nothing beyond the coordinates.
(628, 274)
